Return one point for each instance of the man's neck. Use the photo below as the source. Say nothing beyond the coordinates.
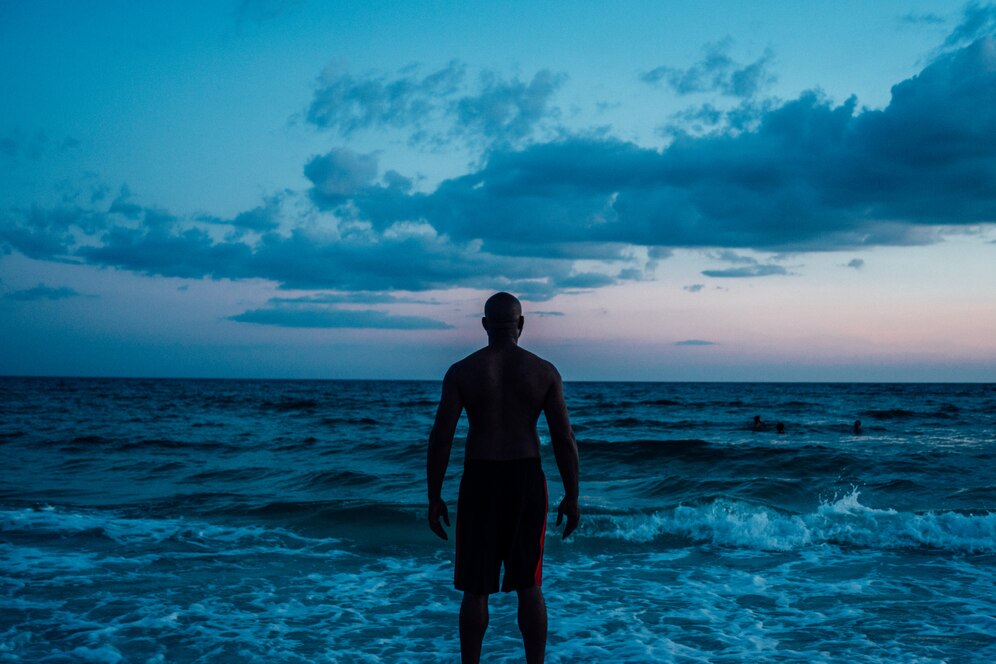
(503, 340)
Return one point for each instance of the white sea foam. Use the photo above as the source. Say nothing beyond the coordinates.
(844, 522)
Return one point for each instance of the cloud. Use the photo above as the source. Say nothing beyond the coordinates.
(346, 103)
(803, 175)
(750, 267)
(716, 72)
(856, 263)
(693, 288)
(746, 271)
(340, 173)
(977, 20)
(694, 342)
(435, 107)
(313, 317)
(262, 218)
(43, 292)
(922, 18)
(811, 176)
(334, 253)
(261, 11)
(728, 256)
(508, 110)
(357, 297)
(546, 314)
(33, 146)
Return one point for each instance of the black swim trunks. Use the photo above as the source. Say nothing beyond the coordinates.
(501, 518)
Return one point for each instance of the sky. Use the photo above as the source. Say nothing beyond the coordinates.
(768, 191)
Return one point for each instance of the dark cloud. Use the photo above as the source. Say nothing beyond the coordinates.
(716, 72)
(340, 174)
(977, 20)
(694, 342)
(693, 288)
(856, 263)
(812, 176)
(262, 218)
(803, 175)
(337, 318)
(435, 107)
(746, 271)
(43, 292)
(708, 119)
(545, 314)
(413, 258)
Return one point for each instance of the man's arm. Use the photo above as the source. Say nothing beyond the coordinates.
(565, 449)
(440, 443)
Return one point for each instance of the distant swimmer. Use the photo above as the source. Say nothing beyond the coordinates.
(502, 506)
(759, 424)
(779, 428)
(857, 428)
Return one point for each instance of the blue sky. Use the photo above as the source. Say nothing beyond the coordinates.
(677, 191)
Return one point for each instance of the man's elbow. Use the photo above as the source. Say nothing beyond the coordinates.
(565, 444)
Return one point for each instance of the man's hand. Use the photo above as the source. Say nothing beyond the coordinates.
(569, 508)
(437, 508)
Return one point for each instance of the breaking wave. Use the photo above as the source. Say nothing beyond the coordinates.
(843, 522)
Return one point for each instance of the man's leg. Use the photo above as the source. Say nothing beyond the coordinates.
(473, 624)
(532, 623)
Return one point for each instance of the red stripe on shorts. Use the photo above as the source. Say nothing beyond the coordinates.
(538, 574)
(456, 561)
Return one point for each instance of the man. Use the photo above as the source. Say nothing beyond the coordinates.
(501, 511)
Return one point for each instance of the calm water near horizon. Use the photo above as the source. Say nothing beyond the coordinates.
(148, 520)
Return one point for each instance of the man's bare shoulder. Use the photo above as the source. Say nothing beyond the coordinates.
(461, 367)
(539, 363)
(472, 363)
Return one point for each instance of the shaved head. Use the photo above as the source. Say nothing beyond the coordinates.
(503, 317)
(502, 308)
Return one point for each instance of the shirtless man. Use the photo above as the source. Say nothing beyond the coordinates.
(501, 511)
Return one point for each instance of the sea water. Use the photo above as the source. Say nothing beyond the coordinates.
(284, 521)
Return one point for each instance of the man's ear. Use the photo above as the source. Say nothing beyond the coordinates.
(484, 322)
(522, 321)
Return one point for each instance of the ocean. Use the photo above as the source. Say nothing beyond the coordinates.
(284, 521)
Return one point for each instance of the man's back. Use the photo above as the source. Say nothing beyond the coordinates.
(503, 389)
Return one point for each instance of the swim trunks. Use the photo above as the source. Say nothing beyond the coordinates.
(501, 519)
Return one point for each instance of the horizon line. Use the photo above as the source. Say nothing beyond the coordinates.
(439, 380)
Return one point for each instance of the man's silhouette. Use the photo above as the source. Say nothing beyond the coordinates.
(501, 511)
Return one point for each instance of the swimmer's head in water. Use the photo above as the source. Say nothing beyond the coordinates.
(503, 315)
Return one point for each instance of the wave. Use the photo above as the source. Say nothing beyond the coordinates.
(844, 522)
(333, 421)
(335, 479)
(291, 405)
(95, 525)
(248, 474)
(890, 414)
(813, 458)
